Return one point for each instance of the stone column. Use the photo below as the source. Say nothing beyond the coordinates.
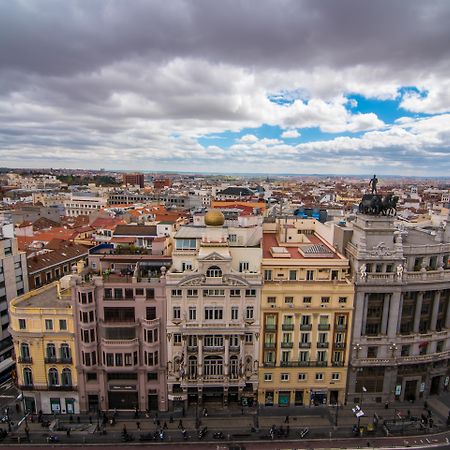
(435, 310)
(227, 356)
(447, 316)
(241, 355)
(417, 312)
(394, 314)
(200, 356)
(400, 311)
(385, 317)
(360, 315)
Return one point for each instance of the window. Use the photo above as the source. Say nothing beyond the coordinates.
(319, 376)
(118, 359)
(192, 292)
(235, 293)
(288, 299)
(149, 293)
(109, 359)
(250, 292)
(65, 352)
(177, 338)
(248, 338)
(405, 350)
(307, 299)
(176, 292)
(185, 244)
(232, 237)
(342, 299)
(322, 356)
(267, 275)
(128, 359)
(267, 377)
(310, 275)
(63, 324)
(303, 356)
(19, 278)
(306, 320)
(192, 313)
(292, 275)
(372, 352)
(214, 272)
(150, 313)
(334, 275)
(440, 346)
(234, 313)
(176, 312)
(284, 377)
(48, 324)
(213, 292)
(91, 376)
(186, 266)
(249, 312)
(66, 377)
(325, 299)
(22, 324)
(53, 379)
(24, 351)
(27, 377)
(213, 313)
(335, 376)
(302, 376)
(271, 299)
(243, 266)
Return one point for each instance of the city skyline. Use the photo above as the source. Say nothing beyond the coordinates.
(301, 88)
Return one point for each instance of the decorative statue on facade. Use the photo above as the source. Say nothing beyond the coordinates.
(374, 204)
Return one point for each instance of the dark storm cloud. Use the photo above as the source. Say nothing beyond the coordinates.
(65, 37)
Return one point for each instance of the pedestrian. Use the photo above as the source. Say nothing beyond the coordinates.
(180, 424)
(386, 405)
(429, 413)
(17, 408)
(70, 419)
(242, 410)
(27, 432)
(171, 419)
(183, 412)
(68, 432)
(90, 420)
(287, 430)
(286, 420)
(165, 427)
(124, 430)
(158, 423)
(78, 419)
(138, 425)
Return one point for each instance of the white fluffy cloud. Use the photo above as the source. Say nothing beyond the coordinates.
(290, 134)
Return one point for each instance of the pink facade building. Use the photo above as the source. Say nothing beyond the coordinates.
(120, 316)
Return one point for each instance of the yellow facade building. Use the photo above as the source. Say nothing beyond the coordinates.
(306, 316)
(42, 328)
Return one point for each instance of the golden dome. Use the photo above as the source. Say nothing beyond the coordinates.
(214, 218)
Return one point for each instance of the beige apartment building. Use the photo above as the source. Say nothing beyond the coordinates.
(306, 316)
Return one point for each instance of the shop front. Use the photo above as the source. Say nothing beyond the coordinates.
(284, 398)
(318, 397)
(122, 397)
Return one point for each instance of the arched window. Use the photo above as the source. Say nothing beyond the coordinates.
(51, 352)
(192, 367)
(66, 377)
(53, 377)
(24, 351)
(214, 272)
(65, 352)
(27, 377)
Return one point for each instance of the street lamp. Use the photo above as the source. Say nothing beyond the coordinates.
(393, 348)
(357, 348)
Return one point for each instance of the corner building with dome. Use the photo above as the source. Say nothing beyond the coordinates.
(213, 308)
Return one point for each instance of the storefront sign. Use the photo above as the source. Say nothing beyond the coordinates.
(179, 397)
(398, 389)
(121, 387)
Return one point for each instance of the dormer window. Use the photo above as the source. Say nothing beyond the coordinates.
(214, 272)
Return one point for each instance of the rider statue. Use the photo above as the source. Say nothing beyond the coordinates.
(373, 184)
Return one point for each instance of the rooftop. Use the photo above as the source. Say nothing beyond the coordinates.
(45, 297)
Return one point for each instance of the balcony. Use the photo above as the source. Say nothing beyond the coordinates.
(269, 344)
(341, 327)
(324, 326)
(54, 360)
(396, 361)
(192, 348)
(68, 387)
(321, 363)
(287, 327)
(26, 387)
(304, 345)
(337, 364)
(269, 364)
(270, 327)
(234, 348)
(287, 344)
(306, 327)
(295, 363)
(340, 345)
(322, 345)
(25, 360)
(213, 348)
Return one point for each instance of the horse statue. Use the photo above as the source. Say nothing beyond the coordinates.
(389, 205)
(370, 204)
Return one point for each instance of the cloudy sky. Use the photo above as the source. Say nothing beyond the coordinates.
(282, 86)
